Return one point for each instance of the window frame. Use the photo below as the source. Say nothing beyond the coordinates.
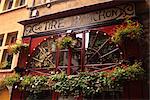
(7, 4)
(5, 53)
(21, 2)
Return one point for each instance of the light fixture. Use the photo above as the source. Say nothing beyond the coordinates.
(34, 13)
(69, 31)
(105, 34)
(121, 53)
(48, 5)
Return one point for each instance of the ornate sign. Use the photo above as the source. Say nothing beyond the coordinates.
(117, 12)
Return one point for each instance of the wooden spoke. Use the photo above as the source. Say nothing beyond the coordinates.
(99, 49)
(43, 56)
(37, 59)
(109, 53)
(101, 53)
(92, 44)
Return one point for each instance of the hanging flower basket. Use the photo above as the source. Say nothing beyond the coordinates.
(17, 47)
(66, 42)
(129, 29)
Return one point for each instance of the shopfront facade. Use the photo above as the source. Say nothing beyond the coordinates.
(92, 26)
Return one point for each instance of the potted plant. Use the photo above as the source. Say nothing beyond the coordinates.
(17, 47)
(129, 29)
(66, 42)
(10, 81)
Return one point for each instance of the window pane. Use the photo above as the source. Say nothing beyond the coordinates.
(75, 55)
(11, 38)
(44, 55)
(1, 39)
(63, 60)
(8, 4)
(6, 60)
(22, 2)
(37, 2)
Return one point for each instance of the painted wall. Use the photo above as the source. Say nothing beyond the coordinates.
(9, 23)
(4, 95)
(65, 5)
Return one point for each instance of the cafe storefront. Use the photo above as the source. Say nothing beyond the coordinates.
(93, 52)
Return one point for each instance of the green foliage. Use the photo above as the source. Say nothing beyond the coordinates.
(66, 42)
(5, 65)
(16, 48)
(93, 83)
(84, 83)
(134, 72)
(34, 84)
(130, 29)
(11, 80)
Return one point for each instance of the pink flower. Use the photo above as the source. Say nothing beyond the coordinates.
(113, 78)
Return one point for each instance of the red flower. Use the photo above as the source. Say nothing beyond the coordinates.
(124, 66)
(113, 78)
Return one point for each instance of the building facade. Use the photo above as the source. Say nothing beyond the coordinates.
(11, 11)
(91, 22)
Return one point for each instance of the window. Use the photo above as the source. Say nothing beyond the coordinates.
(8, 4)
(21, 2)
(7, 56)
(37, 2)
(11, 38)
(6, 60)
(44, 55)
(1, 39)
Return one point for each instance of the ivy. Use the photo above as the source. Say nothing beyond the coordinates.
(84, 83)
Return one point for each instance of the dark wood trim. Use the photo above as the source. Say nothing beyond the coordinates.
(83, 53)
(77, 29)
(69, 61)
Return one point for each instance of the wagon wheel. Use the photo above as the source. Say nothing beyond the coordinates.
(44, 56)
(101, 52)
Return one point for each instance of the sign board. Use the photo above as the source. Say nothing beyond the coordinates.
(117, 12)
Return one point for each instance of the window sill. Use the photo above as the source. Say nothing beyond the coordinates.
(44, 4)
(16, 8)
(6, 70)
(38, 5)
